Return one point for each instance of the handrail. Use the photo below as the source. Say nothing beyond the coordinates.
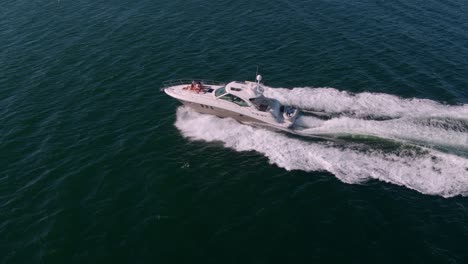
(169, 83)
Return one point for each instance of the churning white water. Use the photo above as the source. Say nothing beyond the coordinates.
(418, 121)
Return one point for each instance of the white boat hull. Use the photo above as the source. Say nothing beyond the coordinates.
(220, 112)
(207, 101)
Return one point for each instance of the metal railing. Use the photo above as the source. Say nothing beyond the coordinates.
(170, 83)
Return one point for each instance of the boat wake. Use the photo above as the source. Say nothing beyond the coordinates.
(417, 143)
(413, 121)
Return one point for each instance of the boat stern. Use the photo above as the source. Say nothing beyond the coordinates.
(290, 114)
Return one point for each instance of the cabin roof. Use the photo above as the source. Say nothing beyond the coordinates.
(245, 90)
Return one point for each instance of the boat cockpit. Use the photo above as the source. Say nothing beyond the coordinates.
(261, 103)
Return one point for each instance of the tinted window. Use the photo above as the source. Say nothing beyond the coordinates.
(220, 91)
(234, 99)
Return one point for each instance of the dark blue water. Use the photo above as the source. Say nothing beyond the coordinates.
(97, 165)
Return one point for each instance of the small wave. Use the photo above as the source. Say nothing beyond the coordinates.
(429, 171)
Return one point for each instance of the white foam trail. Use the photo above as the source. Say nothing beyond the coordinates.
(365, 104)
(432, 172)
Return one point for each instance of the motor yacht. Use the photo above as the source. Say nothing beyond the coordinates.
(242, 101)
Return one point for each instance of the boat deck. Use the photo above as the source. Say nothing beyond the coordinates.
(184, 90)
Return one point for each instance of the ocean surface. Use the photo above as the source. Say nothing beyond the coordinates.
(97, 165)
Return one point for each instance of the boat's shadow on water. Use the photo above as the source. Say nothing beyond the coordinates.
(369, 143)
(358, 143)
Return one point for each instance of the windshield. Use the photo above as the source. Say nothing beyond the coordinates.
(234, 99)
(220, 91)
